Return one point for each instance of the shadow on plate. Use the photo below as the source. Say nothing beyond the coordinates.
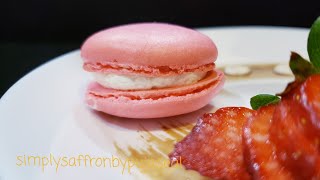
(155, 123)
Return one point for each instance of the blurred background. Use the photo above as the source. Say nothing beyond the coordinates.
(35, 31)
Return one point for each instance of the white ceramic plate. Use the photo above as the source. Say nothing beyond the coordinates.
(43, 113)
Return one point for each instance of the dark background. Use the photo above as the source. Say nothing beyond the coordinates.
(35, 31)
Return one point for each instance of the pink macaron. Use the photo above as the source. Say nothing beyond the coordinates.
(150, 70)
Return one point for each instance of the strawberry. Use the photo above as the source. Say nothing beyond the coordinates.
(304, 101)
(295, 150)
(259, 151)
(309, 97)
(214, 147)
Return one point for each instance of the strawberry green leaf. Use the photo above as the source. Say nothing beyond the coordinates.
(314, 44)
(300, 67)
(263, 100)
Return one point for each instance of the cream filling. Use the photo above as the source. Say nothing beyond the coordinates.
(136, 82)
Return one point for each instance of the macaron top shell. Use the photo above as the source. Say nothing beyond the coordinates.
(148, 48)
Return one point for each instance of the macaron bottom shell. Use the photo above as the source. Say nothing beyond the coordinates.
(155, 103)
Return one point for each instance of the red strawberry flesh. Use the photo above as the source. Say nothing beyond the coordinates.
(214, 147)
(259, 151)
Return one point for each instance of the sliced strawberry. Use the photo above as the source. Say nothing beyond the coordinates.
(304, 100)
(295, 150)
(309, 98)
(214, 147)
(259, 151)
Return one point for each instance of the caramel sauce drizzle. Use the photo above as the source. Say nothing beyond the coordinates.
(156, 150)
